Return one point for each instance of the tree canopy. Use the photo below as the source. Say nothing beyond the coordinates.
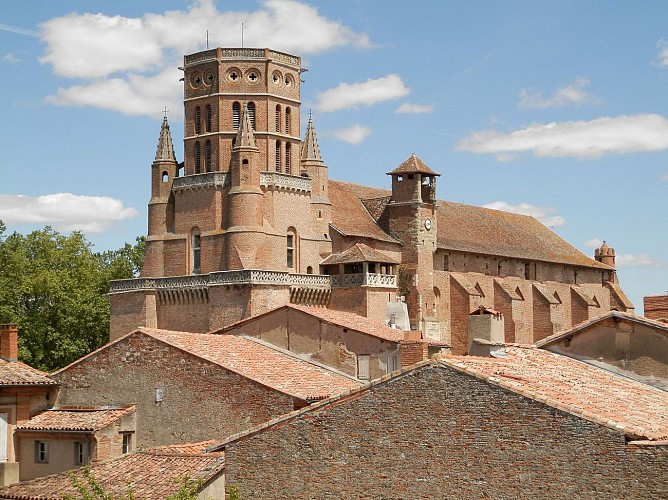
(54, 286)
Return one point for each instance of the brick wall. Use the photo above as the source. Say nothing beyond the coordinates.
(201, 400)
(437, 433)
(656, 306)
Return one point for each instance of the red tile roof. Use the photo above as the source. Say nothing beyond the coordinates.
(75, 419)
(17, 373)
(259, 362)
(638, 410)
(359, 252)
(151, 475)
(413, 165)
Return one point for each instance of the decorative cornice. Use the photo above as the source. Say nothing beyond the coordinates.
(210, 179)
(278, 180)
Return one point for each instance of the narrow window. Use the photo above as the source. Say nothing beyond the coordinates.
(127, 443)
(291, 251)
(207, 155)
(198, 157)
(393, 364)
(41, 452)
(79, 455)
(196, 251)
(198, 120)
(363, 366)
(287, 120)
(165, 177)
(208, 117)
(278, 118)
(278, 156)
(236, 114)
(251, 114)
(287, 157)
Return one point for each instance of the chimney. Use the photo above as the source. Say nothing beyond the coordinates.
(485, 331)
(9, 342)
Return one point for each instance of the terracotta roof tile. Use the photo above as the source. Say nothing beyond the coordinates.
(18, 373)
(639, 410)
(359, 252)
(349, 216)
(151, 475)
(467, 228)
(413, 165)
(259, 362)
(75, 419)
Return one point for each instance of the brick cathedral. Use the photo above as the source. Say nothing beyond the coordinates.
(250, 221)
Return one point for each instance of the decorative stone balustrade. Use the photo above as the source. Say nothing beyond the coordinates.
(361, 279)
(211, 55)
(200, 56)
(210, 179)
(276, 180)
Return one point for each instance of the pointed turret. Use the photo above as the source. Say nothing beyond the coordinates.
(165, 145)
(245, 137)
(313, 167)
(310, 151)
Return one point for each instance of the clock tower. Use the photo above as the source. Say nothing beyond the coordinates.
(412, 220)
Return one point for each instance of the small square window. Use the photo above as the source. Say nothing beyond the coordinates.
(41, 452)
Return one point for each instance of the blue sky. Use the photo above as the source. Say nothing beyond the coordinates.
(554, 109)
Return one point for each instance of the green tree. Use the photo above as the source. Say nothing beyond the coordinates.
(54, 286)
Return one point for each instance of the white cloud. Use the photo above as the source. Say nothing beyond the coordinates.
(410, 108)
(10, 58)
(65, 211)
(127, 55)
(580, 139)
(352, 135)
(593, 243)
(641, 259)
(663, 52)
(572, 94)
(544, 215)
(351, 95)
(15, 29)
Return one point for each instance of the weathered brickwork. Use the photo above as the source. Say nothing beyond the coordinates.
(205, 399)
(438, 433)
(656, 306)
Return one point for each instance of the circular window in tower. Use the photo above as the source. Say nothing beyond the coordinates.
(289, 80)
(196, 80)
(253, 76)
(277, 78)
(233, 75)
(209, 78)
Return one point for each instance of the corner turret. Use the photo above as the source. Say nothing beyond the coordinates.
(163, 171)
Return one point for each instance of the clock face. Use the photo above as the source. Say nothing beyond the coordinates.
(427, 224)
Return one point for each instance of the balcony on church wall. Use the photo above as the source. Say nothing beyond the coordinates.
(209, 179)
(361, 274)
(241, 53)
(277, 180)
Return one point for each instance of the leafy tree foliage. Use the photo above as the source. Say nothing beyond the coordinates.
(54, 286)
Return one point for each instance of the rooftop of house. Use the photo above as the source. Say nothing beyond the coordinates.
(260, 362)
(343, 319)
(658, 326)
(359, 252)
(463, 228)
(69, 418)
(638, 410)
(18, 373)
(152, 475)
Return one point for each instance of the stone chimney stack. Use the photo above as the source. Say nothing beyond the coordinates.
(485, 331)
(9, 342)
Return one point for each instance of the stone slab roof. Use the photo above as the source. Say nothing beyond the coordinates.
(17, 373)
(152, 475)
(75, 419)
(359, 252)
(413, 165)
(637, 410)
(259, 362)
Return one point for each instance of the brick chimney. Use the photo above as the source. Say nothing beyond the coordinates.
(9, 342)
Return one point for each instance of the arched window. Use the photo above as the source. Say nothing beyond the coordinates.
(251, 114)
(165, 176)
(278, 156)
(208, 117)
(287, 120)
(207, 155)
(291, 248)
(195, 251)
(198, 120)
(198, 157)
(236, 115)
(287, 157)
(278, 118)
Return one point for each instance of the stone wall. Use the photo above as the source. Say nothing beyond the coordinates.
(438, 433)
